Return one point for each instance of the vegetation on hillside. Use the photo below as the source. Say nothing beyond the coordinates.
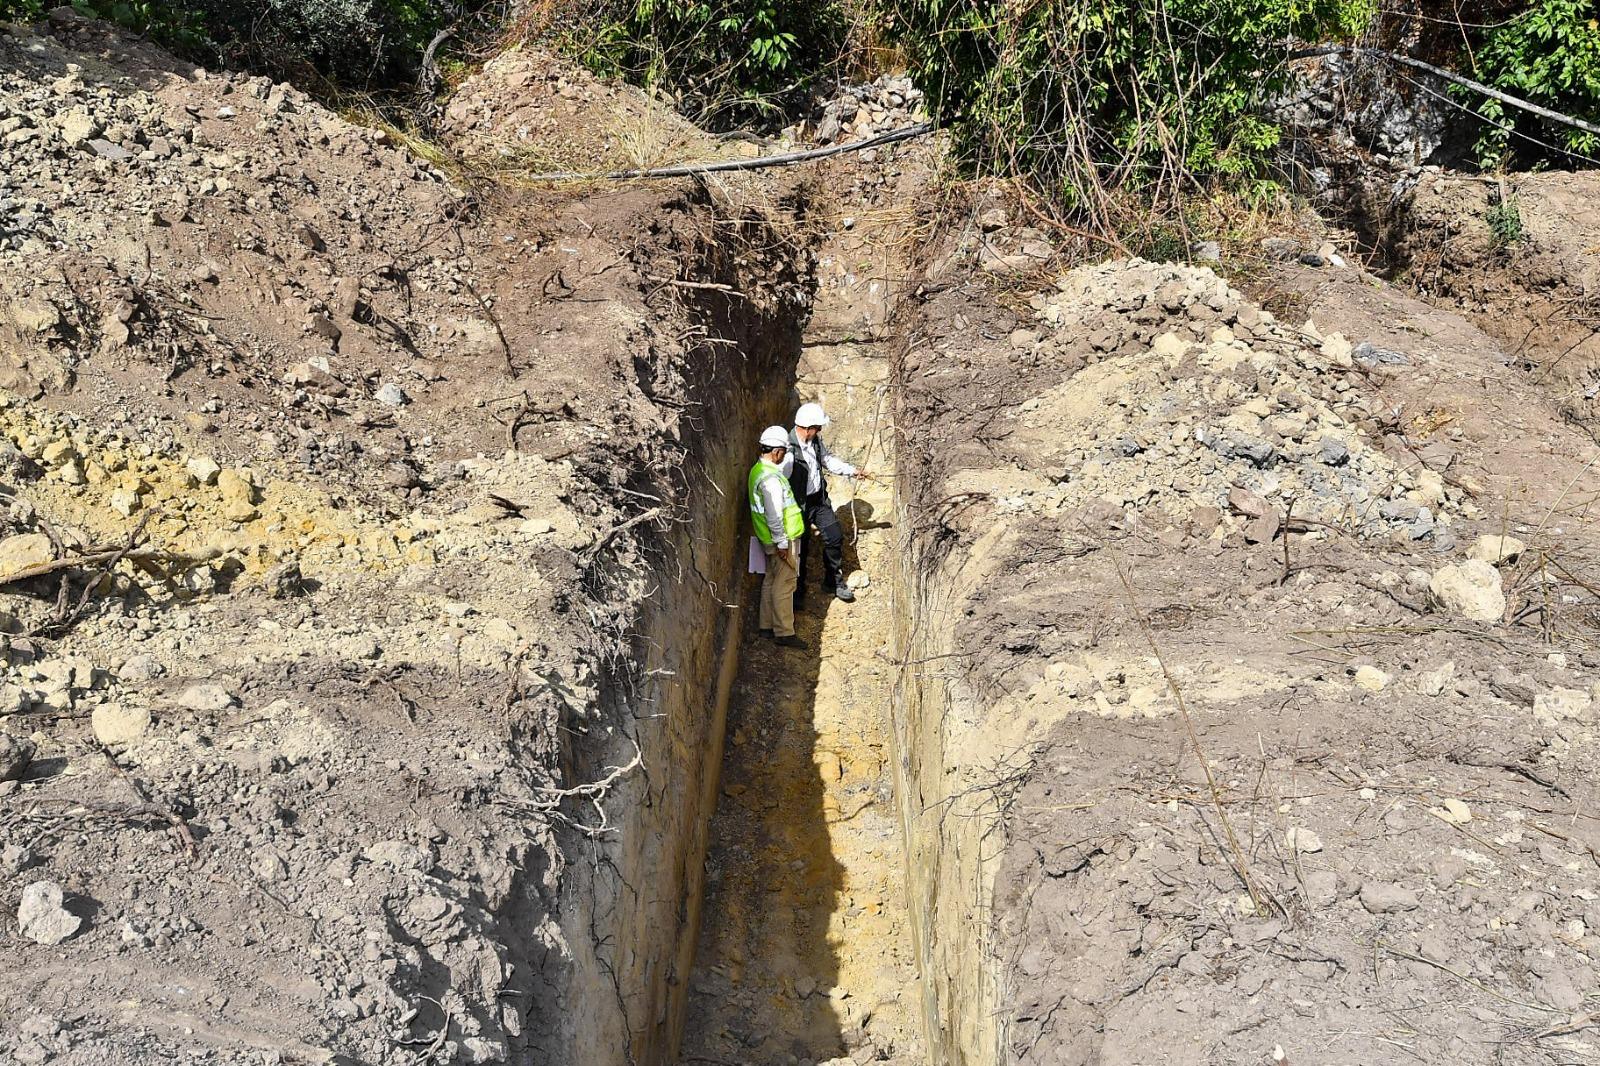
(326, 44)
(1549, 54)
(1111, 112)
(1119, 102)
(724, 61)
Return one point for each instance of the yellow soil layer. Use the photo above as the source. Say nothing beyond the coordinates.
(98, 485)
(804, 953)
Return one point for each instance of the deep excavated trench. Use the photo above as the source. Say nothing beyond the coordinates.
(804, 954)
(752, 907)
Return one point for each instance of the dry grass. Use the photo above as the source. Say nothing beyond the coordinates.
(644, 135)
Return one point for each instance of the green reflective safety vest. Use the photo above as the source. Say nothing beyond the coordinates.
(793, 523)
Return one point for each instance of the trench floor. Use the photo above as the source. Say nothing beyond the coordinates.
(804, 953)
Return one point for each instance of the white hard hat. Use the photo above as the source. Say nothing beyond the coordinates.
(810, 414)
(774, 437)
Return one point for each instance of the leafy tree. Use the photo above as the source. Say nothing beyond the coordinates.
(1095, 98)
(1550, 55)
(335, 43)
(726, 60)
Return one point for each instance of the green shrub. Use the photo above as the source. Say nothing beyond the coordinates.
(726, 61)
(331, 43)
(1550, 55)
(1094, 99)
(1505, 221)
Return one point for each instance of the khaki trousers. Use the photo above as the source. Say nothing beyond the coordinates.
(777, 596)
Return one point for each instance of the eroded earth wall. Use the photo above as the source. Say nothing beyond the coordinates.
(1229, 729)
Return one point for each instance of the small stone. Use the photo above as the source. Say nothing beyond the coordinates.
(1471, 589)
(1562, 704)
(141, 668)
(1262, 530)
(76, 126)
(41, 917)
(236, 486)
(804, 985)
(1333, 452)
(1371, 679)
(1434, 682)
(535, 527)
(124, 501)
(269, 866)
(427, 908)
(1250, 504)
(1496, 549)
(24, 550)
(391, 395)
(286, 581)
(1322, 888)
(16, 755)
(1381, 898)
(119, 724)
(399, 855)
(361, 646)
(205, 698)
(1299, 838)
(1456, 812)
(203, 469)
(106, 150)
(858, 580)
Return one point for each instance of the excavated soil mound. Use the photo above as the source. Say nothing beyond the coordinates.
(346, 516)
(1235, 729)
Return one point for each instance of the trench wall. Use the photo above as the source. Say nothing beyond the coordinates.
(949, 858)
(631, 900)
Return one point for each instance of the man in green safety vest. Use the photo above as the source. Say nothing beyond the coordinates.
(779, 526)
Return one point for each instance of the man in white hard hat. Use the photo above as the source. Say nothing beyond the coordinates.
(779, 527)
(807, 465)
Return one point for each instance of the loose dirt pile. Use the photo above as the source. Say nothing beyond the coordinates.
(1387, 845)
(339, 503)
(858, 112)
(1190, 397)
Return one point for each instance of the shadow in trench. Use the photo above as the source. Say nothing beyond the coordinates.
(765, 963)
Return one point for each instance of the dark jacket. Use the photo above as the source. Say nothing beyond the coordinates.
(797, 471)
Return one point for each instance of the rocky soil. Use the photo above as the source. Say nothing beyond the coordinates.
(1265, 655)
(367, 550)
(327, 524)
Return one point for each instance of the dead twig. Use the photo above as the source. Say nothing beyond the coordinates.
(171, 817)
(598, 546)
(1240, 864)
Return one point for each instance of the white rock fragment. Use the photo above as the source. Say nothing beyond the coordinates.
(41, 917)
(205, 698)
(203, 469)
(1455, 812)
(1298, 838)
(1371, 679)
(1434, 682)
(1562, 704)
(118, 724)
(24, 550)
(1495, 549)
(124, 501)
(1470, 589)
